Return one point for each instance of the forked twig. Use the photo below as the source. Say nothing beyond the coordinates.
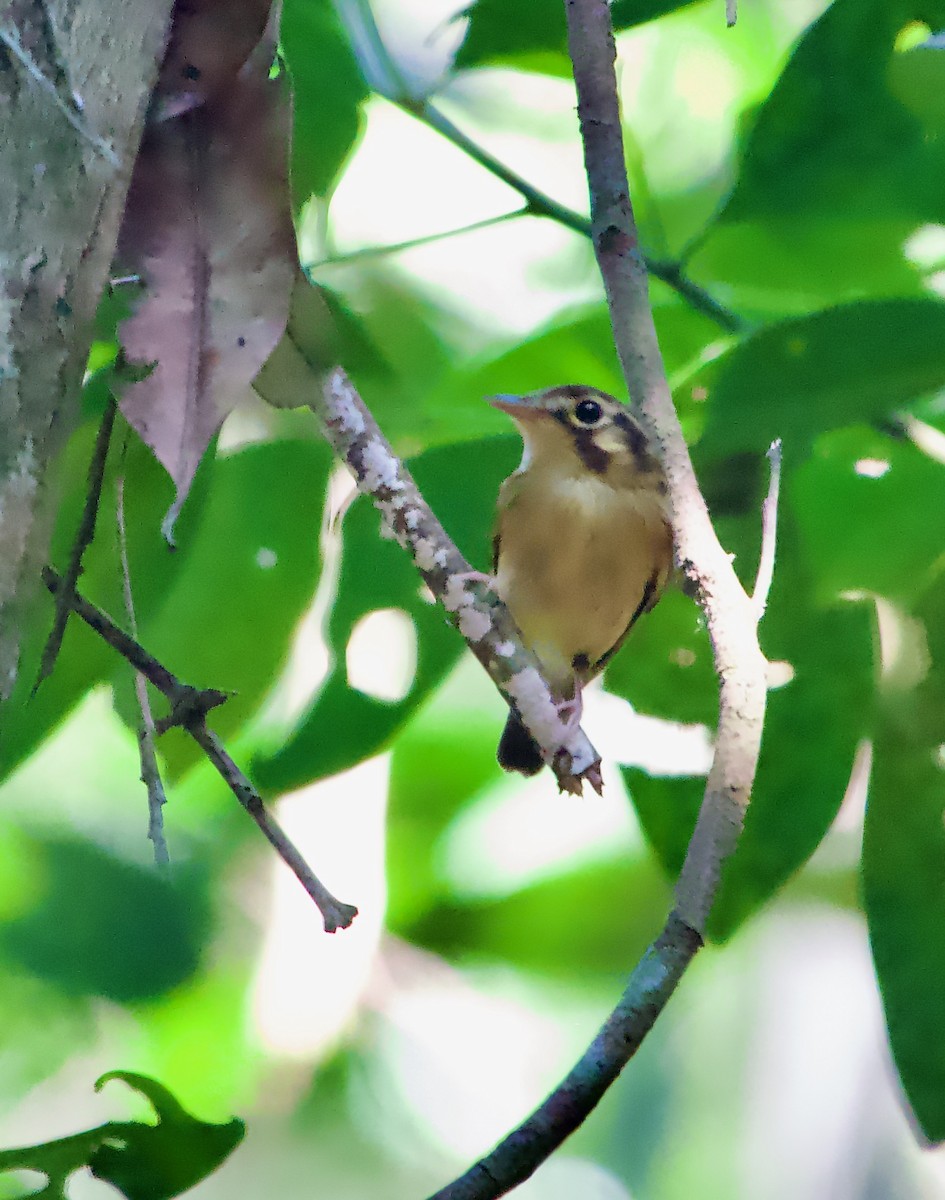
(189, 708)
(150, 773)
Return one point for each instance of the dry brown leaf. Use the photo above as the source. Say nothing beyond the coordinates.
(208, 230)
(209, 41)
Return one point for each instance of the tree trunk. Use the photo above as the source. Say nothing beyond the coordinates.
(75, 80)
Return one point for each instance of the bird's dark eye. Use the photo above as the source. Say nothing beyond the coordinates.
(588, 412)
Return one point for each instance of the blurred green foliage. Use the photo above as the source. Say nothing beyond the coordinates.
(827, 249)
(144, 1162)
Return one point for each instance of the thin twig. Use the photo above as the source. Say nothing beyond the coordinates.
(731, 12)
(334, 260)
(150, 773)
(385, 77)
(336, 914)
(474, 608)
(707, 569)
(539, 204)
(730, 616)
(82, 540)
(769, 532)
(189, 707)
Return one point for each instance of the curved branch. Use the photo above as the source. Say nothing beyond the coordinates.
(731, 616)
(467, 595)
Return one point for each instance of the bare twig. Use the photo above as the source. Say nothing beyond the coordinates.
(189, 707)
(731, 618)
(150, 773)
(538, 204)
(336, 914)
(82, 540)
(474, 608)
(386, 78)
(429, 239)
(731, 12)
(769, 532)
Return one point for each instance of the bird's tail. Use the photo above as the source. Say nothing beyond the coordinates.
(518, 750)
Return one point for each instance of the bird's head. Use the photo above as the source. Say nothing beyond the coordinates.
(579, 430)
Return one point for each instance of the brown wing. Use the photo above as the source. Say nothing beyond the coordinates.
(651, 593)
(507, 496)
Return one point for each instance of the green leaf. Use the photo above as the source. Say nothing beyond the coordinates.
(903, 853)
(145, 1162)
(254, 563)
(345, 725)
(812, 729)
(98, 926)
(156, 1162)
(833, 136)
(328, 91)
(500, 31)
(813, 724)
(665, 666)
(84, 658)
(789, 263)
(857, 499)
(545, 927)
(801, 377)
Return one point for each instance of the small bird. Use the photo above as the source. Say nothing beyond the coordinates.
(583, 543)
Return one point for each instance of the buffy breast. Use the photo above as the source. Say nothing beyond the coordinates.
(584, 556)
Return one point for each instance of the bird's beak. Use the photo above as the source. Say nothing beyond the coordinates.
(518, 407)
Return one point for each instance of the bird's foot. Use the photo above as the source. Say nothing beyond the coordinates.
(571, 711)
(475, 577)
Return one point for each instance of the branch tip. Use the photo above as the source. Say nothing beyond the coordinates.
(769, 532)
(190, 706)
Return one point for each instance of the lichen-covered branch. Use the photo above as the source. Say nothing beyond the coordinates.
(731, 616)
(473, 607)
(189, 708)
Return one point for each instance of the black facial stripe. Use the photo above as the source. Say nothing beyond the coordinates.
(591, 455)
(594, 457)
(636, 438)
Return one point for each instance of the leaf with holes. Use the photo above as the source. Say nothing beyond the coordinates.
(858, 497)
(210, 40)
(143, 1161)
(346, 725)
